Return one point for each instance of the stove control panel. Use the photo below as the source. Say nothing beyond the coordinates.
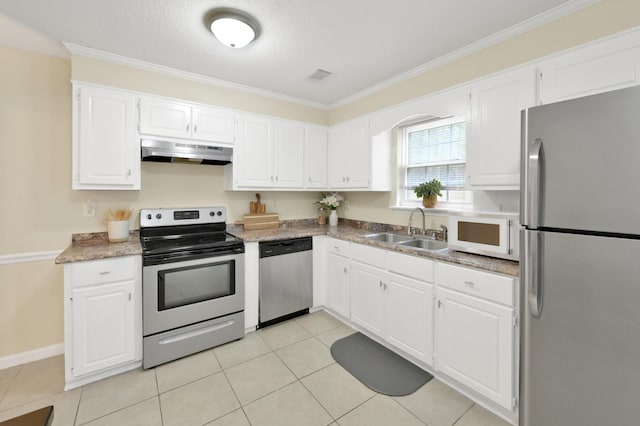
(192, 216)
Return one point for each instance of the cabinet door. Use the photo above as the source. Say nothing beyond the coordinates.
(349, 157)
(213, 125)
(315, 157)
(493, 140)
(359, 156)
(106, 150)
(409, 316)
(475, 344)
(288, 159)
(367, 297)
(338, 282)
(103, 326)
(608, 66)
(254, 146)
(165, 118)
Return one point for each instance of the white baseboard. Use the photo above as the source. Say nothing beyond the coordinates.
(30, 356)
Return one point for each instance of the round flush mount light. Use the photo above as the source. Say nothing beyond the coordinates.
(232, 27)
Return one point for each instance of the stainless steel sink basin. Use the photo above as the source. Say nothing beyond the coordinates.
(424, 244)
(388, 237)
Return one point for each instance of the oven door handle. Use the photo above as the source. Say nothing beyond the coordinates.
(190, 334)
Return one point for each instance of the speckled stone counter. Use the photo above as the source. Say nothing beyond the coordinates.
(97, 246)
(355, 231)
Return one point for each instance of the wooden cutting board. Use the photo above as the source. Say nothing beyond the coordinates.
(259, 221)
(256, 207)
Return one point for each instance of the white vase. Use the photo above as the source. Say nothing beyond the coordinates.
(333, 218)
(118, 231)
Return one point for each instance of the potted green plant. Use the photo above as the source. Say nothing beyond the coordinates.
(429, 191)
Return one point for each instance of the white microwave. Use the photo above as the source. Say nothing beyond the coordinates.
(488, 234)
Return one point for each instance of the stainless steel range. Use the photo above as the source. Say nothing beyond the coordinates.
(192, 282)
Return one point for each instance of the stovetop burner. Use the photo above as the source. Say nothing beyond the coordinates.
(181, 232)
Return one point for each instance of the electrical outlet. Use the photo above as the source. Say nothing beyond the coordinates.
(90, 208)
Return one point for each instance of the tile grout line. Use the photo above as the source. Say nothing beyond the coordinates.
(13, 380)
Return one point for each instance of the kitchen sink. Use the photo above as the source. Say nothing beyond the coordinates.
(425, 244)
(388, 237)
(407, 240)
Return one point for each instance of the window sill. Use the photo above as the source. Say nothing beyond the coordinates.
(441, 210)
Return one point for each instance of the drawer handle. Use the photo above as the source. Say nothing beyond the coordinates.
(336, 248)
(105, 272)
(469, 283)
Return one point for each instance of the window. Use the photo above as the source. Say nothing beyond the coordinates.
(434, 149)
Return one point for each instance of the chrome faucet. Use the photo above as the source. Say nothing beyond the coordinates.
(410, 230)
(445, 233)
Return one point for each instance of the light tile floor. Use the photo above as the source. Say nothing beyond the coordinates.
(280, 375)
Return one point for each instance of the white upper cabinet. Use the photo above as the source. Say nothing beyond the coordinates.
(171, 119)
(315, 157)
(253, 156)
(288, 158)
(213, 124)
(106, 149)
(269, 153)
(598, 68)
(493, 138)
(354, 156)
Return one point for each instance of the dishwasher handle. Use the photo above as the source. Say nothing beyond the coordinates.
(281, 247)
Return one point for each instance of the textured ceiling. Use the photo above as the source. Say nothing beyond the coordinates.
(362, 42)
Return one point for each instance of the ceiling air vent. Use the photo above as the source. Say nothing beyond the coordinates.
(319, 74)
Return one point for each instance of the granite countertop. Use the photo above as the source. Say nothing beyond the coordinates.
(355, 232)
(96, 246)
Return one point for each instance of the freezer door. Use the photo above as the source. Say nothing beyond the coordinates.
(580, 164)
(580, 330)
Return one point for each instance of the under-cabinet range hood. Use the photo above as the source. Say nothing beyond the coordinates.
(177, 152)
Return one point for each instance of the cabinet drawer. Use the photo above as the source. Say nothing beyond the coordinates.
(366, 254)
(410, 266)
(103, 271)
(489, 286)
(339, 247)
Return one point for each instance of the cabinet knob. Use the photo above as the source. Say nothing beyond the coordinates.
(187, 127)
(345, 269)
(195, 128)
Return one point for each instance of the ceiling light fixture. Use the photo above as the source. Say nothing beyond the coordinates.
(232, 27)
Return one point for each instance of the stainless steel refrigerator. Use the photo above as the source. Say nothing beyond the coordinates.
(580, 262)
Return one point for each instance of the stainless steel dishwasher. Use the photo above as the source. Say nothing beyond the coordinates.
(286, 279)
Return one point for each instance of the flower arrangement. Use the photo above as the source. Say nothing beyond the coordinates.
(331, 201)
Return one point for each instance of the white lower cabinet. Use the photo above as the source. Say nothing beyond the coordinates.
(409, 316)
(368, 297)
(475, 323)
(103, 319)
(459, 322)
(338, 284)
(103, 335)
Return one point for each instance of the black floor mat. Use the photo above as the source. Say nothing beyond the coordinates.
(377, 367)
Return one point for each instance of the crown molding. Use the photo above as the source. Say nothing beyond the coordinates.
(185, 75)
(510, 32)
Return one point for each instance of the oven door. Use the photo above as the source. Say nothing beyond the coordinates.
(177, 294)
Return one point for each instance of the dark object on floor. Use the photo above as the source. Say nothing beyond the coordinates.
(41, 417)
(379, 368)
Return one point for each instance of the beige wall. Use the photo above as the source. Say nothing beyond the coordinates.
(604, 18)
(39, 211)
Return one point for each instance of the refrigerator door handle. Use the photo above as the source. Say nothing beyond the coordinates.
(532, 273)
(534, 184)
